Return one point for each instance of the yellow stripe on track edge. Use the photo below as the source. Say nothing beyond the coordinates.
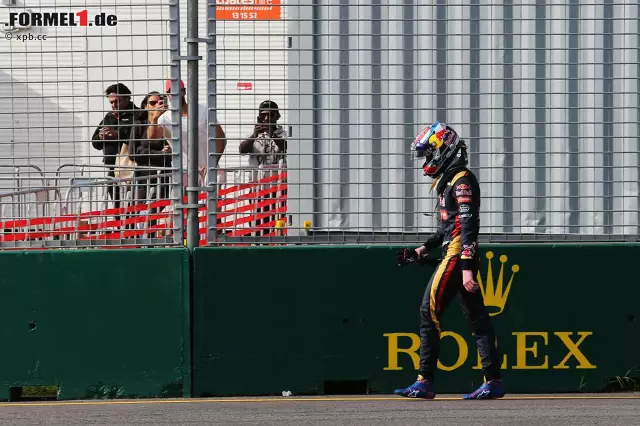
(308, 399)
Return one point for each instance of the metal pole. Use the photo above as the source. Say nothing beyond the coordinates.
(176, 129)
(212, 173)
(192, 124)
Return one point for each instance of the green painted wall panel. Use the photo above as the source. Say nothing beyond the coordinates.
(274, 319)
(97, 323)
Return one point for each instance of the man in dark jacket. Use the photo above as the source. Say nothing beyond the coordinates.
(114, 130)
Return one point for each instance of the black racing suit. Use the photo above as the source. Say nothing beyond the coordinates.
(459, 201)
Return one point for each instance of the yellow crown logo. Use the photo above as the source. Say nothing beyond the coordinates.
(494, 293)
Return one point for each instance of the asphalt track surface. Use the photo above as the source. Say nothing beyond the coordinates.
(600, 409)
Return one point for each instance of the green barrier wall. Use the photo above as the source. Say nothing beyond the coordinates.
(302, 319)
(96, 323)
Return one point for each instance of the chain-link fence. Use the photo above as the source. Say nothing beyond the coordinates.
(84, 84)
(544, 93)
(309, 109)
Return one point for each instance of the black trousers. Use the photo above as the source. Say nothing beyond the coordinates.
(113, 190)
(142, 187)
(443, 286)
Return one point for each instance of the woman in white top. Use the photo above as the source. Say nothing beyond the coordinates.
(203, 143)
(165, 128)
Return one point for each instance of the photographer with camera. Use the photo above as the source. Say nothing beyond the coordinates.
(267, 148)
(267, 145)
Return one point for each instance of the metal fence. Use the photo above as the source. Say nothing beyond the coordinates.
(545, 94)
(72, 173)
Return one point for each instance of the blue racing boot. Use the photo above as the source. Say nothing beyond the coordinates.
(420, 389)
(489, 390)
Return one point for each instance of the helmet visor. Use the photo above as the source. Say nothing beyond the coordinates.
(422, 151)
(420, 146)
(428, 142)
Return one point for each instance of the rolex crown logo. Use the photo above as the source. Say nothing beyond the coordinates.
(494, 291)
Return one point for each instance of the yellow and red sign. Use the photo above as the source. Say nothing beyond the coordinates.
(247, 10)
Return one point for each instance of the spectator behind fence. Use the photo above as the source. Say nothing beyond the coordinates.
(267, 145)
(166, 122)
(114, 130)
(150, 153)
(203, 114)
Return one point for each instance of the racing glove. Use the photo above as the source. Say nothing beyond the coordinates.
(409, 255)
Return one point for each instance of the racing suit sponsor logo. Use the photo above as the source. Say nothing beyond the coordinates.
(464, 208)
(464, 199)
(468, 251)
